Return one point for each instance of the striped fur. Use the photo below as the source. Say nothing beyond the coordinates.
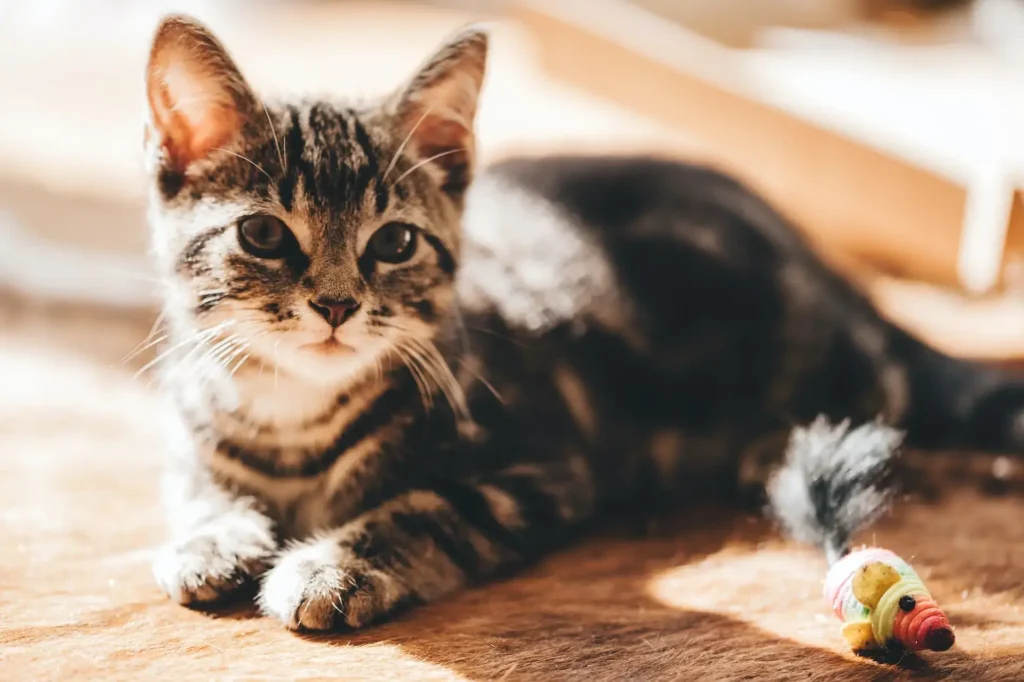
(565, 336)
(341, 470)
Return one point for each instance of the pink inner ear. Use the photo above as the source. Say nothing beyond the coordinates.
(448, 146)
(448, 140)
(193, 109)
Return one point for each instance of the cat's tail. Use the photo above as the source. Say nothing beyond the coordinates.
(834, 482)
(956, 403)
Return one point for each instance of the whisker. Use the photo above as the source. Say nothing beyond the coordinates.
(463, 332)
(430, 371)
(419, 376)
(426, 396)
(482, 380)
(425, 161)
(498, 335)
(443, 377)
(401, 147)
(146, 343)
(277, 144)
(238, 366)
(429, 366)
(225, 360)
(223, 350)
(247, 160)
(244, 348)
(210, 354)
(437, 369)
(219, 354)
(198, 337)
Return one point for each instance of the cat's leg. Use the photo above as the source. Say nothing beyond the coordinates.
(220, 543)
(426, 543)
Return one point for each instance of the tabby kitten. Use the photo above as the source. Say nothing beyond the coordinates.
(372, 409)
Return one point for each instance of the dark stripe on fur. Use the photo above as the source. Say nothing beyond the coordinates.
(366, 144)
(378, 415)
(538, 509)
(368, 171)
(445, 532)
(294, 146)
(324, 417)
(208, 302)
(473, 507)
(188, 261)
(444, 256)
(383, 196)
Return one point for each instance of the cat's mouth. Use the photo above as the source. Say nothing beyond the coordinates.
(330, 346)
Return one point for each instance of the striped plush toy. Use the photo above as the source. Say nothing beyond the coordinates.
(834, 482)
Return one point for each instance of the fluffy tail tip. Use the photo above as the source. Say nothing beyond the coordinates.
(835, 480)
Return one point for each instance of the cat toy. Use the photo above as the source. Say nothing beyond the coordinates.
(834, 482)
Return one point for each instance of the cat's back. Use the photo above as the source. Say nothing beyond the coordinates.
(611, 194)
(547, 240)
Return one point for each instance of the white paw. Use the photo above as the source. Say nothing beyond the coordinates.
(216, 560)
(316, 586)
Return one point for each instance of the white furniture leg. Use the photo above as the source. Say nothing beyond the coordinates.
(986, 219)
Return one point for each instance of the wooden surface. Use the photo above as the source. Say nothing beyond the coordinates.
(703, 595)
(875, 195)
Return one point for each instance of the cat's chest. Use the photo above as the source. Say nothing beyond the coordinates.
(298, 506)
(288, 449)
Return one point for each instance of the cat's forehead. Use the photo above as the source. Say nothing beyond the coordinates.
(319, 161)
(331, 159)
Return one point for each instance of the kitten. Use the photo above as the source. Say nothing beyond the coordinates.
(373, 409)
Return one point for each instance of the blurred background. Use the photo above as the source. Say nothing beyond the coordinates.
(888, 130)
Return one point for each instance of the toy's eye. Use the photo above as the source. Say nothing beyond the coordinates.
(264, 236)
(393, 243)
(907, 603)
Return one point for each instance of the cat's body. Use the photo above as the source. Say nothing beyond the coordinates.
(372, 410)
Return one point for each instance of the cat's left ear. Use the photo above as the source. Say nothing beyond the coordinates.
(437, 109)
(198, 99)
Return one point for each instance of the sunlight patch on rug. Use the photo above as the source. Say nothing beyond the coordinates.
(776, 590)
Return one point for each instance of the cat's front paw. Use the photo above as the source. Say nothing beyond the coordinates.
(318, 587)
(215, 561)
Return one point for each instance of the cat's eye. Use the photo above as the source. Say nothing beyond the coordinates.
(264, 236)
(393, 243)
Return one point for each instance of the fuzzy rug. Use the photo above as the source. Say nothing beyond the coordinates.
(705, 595)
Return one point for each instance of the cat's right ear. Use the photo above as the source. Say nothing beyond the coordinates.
(437, 108)
(198, 99)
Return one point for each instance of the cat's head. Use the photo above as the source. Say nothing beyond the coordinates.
(324, 236)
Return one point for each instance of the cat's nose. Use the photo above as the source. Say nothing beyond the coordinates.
(335, 311)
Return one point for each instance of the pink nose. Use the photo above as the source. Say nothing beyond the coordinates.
(335, 311)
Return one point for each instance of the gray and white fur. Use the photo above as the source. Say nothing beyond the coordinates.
(834, 482)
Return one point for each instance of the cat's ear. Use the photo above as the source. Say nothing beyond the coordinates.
(198, 99)
(437, 109)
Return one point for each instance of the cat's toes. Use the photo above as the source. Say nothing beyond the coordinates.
(314, 587)
(211, 565)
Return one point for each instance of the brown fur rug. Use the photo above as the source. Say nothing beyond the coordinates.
(706, 595)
